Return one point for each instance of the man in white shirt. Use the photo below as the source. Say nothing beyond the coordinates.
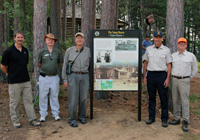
(184, 67)
(157, 60)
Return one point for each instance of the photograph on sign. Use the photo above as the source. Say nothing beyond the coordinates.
(116, 64)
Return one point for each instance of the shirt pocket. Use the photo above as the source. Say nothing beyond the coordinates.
(150, 54)
(187, 63)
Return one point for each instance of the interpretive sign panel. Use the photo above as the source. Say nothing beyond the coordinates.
(115, 60)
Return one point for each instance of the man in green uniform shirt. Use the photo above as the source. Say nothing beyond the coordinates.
(49, 59)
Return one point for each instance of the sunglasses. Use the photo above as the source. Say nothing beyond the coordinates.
(182, 43)
(51, 56)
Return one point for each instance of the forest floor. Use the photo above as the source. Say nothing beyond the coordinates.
(115, 118)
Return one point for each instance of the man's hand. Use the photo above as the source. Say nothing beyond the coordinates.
(145, 80)
(65, 85)
(166, 83)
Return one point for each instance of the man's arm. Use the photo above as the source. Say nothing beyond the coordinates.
(143, 47)
(4, 69)
(194, 66)
(169, 67)
(145, 71)
(39, 65)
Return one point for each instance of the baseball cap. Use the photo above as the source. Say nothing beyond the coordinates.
(147, 35)
(79, 33)
(182, 40)
(158, 33)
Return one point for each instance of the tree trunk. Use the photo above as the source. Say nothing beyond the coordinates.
(107, 18)
(59, 17)
(64, 21)
(39, 29)
(127, 11)
(86, 21)
(54, 21)
(94, 15)
(16, 15)
(6, 29)
(175, 23)
(1, 27)
(175, 30)
(73, 21)
(25, 26)
(116, 15)
(142, 17)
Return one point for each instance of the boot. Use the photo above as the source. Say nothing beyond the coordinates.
(185, 126)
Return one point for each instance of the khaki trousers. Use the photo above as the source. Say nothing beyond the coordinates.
(180, 98)
(16, 91)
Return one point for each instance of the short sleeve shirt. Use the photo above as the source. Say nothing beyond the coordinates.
(146, 43)
(16, 63)
(157, 58)
(49, 61)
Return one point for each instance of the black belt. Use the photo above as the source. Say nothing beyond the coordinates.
(156, 71)
(180, 77)
(44, 75)
(79, 72)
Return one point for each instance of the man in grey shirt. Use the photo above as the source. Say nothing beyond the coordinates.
(184, 67)
(78, 81)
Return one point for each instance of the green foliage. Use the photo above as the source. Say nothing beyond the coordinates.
(64, 45)
(198, 63)
(190, 137)
(36, 101)
(61, 93)
(193, 98)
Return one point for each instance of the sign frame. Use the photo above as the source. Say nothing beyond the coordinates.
(119, 42)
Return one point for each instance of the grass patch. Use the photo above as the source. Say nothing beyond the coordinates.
(198, 63)
(193, 98)
(190, 137)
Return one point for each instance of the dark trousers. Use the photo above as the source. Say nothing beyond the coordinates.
(155, 81)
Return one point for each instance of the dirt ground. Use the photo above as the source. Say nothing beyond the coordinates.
(114, 119)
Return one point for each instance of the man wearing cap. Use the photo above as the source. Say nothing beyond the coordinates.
(14, 65)
(49, 60)
(147, 42)
(78, 81)
(184, 67)
(158, 63)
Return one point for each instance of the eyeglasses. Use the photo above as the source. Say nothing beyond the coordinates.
(51, 56)
(182, 43)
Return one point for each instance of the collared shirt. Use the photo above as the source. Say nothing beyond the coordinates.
(16, 62)
(81, 63)
(184, 64)
(146, 43)
(49, 61)
(157, 58)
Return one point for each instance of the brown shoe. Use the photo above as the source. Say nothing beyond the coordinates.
(35, 123)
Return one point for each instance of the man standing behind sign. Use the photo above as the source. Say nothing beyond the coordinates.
(147, 42)
(184, 66)
(158, 63)
(78, 81)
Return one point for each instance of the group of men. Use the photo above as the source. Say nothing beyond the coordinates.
(14, 65)
(159, 64)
